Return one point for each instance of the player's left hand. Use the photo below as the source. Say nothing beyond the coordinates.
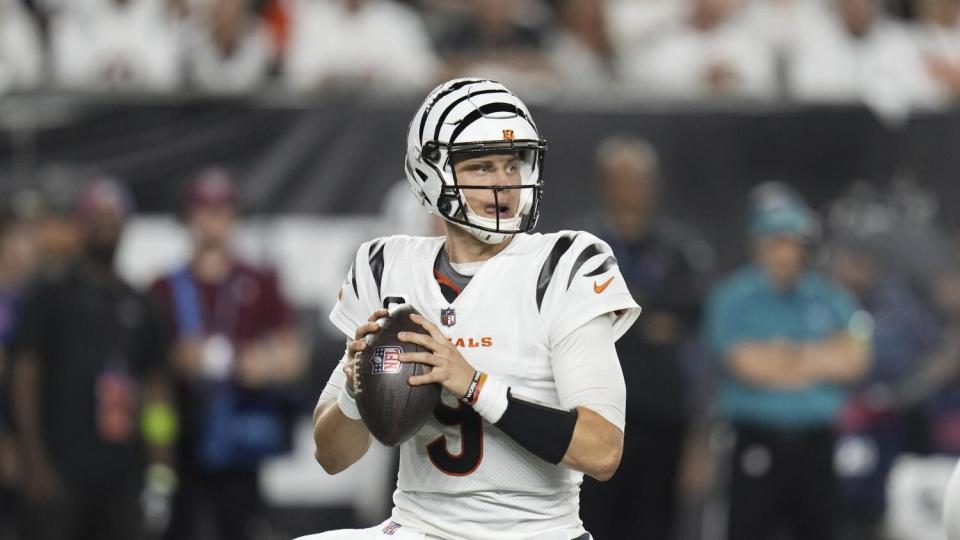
(450, 368)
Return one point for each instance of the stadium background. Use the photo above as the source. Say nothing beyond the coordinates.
(318, 165)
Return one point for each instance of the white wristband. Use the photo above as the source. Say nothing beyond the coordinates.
(347, 404)
(492, 401)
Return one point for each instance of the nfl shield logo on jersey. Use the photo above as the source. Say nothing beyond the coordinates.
(386, 360)
(391, 528)
(448, 317)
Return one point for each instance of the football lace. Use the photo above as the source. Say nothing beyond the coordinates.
(356, 374)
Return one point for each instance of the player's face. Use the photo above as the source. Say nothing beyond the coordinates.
(782, 258)
(491, 170)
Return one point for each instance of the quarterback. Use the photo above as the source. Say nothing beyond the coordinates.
(521, 330)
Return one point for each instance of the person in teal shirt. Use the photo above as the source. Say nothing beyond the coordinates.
(789, 340)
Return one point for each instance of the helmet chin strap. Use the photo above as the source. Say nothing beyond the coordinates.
(488, 237)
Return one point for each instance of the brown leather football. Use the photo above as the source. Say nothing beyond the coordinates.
(393, 410)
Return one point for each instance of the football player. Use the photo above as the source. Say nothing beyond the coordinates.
(521, 336)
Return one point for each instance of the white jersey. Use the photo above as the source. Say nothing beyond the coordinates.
(461, 477)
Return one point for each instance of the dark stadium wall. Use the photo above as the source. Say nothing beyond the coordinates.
(339, 158)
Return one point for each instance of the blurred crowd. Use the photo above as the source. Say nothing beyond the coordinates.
(783, 396)
(786, 392)
(893, 55)
(137, 414)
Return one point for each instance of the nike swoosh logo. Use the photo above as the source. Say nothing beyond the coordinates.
(602, 287)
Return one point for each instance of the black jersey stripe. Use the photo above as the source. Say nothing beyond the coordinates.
(353, 278)
(453, 88)
(550, 265)
(376, 262)
(589, 251)
(479, 112)
(461, 99)
(607, 264)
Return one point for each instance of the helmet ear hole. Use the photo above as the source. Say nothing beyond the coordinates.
(444, 206)
(431, 152)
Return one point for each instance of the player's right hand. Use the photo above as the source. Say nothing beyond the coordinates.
(356, 346)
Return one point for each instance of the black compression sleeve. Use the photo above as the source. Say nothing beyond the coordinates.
(544, 431)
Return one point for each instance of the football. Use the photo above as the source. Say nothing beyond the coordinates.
(393, 410)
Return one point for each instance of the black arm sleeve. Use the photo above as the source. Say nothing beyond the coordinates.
(545, 431)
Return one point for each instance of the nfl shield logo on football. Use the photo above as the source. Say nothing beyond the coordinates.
(448, 317)
(386, 360)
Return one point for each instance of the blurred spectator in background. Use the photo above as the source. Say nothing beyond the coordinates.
(236, 348)
(58, 237)
(634, 24)
(780, 22)
(87, 362)
(871, 425)
(367, 44)
(229, 48)
(938, 35)
(708, 53)
(402, 213)
(788, 339)
(21, 51)
(666, 270)
(858, 56)
(936, 385)
(580, 48)
(18, 219)
(116, 45)
(501, 40)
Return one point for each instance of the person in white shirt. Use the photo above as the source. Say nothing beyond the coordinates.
(229, 48)
(21, 53)
(368, 44)
(858, 56)
(781, 22)
(937, 34)
(580, 49)
(708, 53)
(119, 45)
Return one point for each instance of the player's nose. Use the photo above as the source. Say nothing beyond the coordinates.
(501, 177)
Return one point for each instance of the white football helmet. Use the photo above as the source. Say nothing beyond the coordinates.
(474, 116)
